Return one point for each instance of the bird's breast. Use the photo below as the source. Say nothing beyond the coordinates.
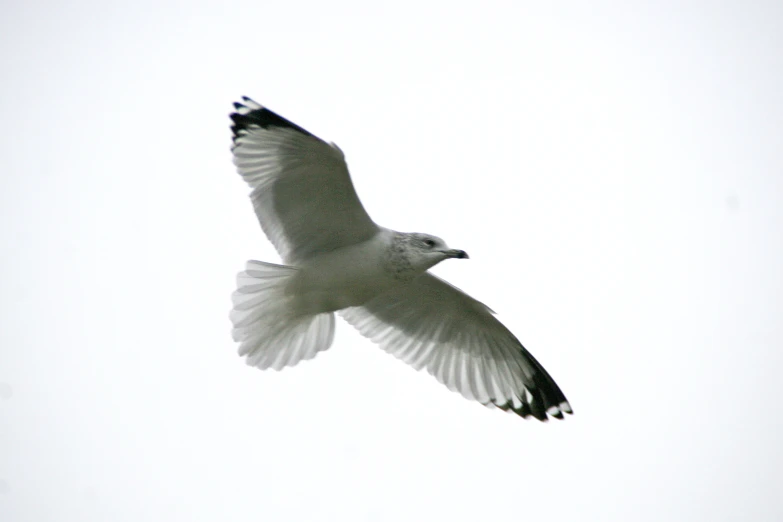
(347, 277)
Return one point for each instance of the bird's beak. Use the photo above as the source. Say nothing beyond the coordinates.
(459, 254)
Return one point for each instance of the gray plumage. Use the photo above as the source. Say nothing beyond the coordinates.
(338, 260)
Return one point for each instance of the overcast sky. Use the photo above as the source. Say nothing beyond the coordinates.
(614, 169)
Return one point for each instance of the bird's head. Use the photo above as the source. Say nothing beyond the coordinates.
(425, 251)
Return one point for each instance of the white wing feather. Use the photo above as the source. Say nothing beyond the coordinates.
(302, 191)
(430, 324)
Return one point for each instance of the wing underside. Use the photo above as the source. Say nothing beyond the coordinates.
(431, 324)
(301, 189)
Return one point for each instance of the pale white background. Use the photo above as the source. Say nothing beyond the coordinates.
(613, 169)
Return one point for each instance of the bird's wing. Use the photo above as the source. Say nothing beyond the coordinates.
(302, 192)
(430, 324)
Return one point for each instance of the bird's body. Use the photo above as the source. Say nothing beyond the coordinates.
(347, 277)
(338, 260)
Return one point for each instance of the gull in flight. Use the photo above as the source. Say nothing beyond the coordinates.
(337, 260)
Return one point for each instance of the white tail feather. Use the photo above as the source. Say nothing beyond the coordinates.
(271, 334)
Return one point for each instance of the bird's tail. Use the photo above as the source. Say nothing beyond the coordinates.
(271, 333)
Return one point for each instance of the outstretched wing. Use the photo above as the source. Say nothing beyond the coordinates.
(302, 192)
(430, 324)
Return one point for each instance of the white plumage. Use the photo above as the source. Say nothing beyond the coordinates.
(338, 260)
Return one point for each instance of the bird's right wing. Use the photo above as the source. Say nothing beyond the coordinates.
(302, 192)
(430, 324)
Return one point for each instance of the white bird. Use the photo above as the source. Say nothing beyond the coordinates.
(338, 260)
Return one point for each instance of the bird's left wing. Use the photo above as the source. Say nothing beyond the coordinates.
(302, 192)
(430, 324)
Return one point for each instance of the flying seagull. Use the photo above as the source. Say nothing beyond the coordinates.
(337, 260)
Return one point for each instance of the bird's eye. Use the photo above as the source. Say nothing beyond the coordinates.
(429, 242)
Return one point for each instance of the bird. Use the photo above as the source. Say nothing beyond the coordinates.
(337, 260)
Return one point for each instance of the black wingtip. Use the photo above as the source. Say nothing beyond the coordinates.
(250, 113)
(547, 398)
(542, 405)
